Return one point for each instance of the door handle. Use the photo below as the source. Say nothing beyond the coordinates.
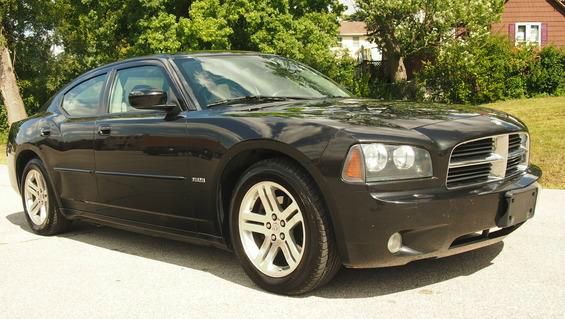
(45, 131)
(104, 130)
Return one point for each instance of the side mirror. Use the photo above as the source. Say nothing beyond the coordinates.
(149, 99)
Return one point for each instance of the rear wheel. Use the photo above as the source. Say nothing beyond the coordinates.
(40, 206)
(280, 229)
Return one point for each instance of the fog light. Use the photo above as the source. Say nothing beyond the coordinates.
(395, 243)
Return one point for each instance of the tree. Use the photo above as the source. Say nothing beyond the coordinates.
(8, 85)
(96, 32)
(418, 28)
(25, 54)
(89, 33)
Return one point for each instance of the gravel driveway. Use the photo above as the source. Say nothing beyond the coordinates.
(99, 272)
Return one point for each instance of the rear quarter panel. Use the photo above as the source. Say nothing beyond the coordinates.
(23, 136)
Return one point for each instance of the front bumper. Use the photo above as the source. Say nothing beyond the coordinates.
(433, 223)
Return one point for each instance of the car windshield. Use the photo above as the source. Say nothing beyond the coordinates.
(221, 79)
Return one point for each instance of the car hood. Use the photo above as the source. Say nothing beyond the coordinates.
(350, 113)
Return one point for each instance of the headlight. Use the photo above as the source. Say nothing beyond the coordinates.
(376, 157)
(404, 157)
(381, 162)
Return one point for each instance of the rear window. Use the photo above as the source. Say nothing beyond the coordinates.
(84, 99)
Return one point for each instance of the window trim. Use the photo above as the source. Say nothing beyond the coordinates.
(528, 26)
(179, 97)
(112, 87)
(80, 81)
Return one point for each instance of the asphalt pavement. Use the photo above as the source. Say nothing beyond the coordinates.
(99, 272)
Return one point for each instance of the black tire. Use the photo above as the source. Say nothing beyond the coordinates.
(55, 223)
(320, 261)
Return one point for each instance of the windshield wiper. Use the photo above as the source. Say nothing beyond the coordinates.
(256, 98)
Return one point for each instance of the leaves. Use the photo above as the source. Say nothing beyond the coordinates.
(94, 32)
(420, 27)
(26, 28)
(488, 69)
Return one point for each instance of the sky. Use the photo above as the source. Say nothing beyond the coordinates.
(350, 6)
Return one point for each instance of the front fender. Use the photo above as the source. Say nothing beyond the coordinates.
(309, 162)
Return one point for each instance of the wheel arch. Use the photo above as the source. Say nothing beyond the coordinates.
(26, 153)
(240, 157)
(22, 158)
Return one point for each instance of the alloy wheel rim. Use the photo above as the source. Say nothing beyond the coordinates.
(36, 197)
(271, 229)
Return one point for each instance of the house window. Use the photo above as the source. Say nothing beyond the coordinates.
(355, 42)
(340, 41)
(528, 33)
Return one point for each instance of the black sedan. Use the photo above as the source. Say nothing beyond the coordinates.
(266, 157)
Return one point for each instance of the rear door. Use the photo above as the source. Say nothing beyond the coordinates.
(141, 155)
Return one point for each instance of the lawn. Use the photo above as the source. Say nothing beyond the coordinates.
(2, 148)
(545, 118)
(3, 154)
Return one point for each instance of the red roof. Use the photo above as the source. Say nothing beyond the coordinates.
(352, 28)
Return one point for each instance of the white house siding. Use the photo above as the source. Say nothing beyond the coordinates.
(354, 49)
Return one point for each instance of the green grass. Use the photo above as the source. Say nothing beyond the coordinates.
(2, 148)
(545, 118)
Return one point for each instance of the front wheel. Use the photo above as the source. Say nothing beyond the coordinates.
(280, 230)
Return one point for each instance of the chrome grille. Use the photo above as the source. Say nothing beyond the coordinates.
(512, 165)
(514, 142)
(469, 174)
(487, 159)
(474, 149)
(517, 154)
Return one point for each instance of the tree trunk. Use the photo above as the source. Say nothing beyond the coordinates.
(396, 69)
(9, 87)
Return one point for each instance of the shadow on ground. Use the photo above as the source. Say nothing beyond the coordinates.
(349, 283)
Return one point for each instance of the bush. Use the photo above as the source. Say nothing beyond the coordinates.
(3, 119)
(487, 69)
(343, 69)
(404, 90)
(547, 74)
(475, 71)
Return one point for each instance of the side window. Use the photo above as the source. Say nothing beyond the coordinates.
(136, 78)
(84, 99)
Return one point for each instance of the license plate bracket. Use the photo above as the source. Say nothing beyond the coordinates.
(520, 206)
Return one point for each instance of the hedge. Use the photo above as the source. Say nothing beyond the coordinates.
(490, 69)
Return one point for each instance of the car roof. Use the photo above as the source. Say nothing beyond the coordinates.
(175, 56)
(190, 54)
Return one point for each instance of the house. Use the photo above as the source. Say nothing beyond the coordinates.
(537, 22)
(353, 37)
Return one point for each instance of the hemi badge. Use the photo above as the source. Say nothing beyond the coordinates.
(198, 180)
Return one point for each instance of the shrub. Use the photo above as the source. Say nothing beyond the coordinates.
(474, 71)
(404, 90)
(487, 69)
(343, 69)
(3, 119)
(344, 72)
(547, 73)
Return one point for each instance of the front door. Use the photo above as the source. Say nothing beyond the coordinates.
(70, 144)
(141, 162)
